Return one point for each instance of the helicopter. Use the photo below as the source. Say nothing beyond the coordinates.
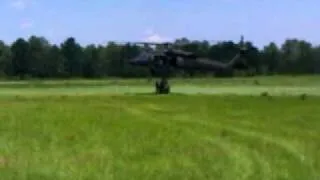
(161, 61)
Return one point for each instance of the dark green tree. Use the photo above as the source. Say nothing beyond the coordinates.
(5, 60)
(37, 56)
(73, 57)
(20, 58)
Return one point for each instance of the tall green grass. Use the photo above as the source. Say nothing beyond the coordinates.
(159, 137)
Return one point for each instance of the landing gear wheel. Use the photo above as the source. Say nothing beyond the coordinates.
(162, 87)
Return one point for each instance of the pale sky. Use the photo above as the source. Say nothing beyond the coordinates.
(99, 21)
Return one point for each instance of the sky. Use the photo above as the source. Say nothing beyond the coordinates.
(100, 21)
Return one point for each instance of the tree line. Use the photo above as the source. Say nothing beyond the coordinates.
(36, 57)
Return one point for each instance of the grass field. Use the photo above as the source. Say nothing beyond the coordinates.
(206, 129)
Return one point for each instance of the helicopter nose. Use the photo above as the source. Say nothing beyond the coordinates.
(138, 61)
(134, 61)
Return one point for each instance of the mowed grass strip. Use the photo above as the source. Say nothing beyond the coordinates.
(274, 85)
(159, 137)
(186, 89)
(276, 80)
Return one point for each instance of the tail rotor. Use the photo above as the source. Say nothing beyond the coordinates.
(242, 46)
(243, 51)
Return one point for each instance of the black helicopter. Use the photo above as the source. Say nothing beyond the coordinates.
(161, 62)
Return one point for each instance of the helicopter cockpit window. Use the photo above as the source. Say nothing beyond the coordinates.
(144, 55)
(179, 60)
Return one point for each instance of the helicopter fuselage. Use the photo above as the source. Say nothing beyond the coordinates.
(178, 61)
(168, 60)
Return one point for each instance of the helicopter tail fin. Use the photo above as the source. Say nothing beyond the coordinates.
(234, 60)
(238, 61)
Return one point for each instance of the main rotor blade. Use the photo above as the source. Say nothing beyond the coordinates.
(152, 43)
